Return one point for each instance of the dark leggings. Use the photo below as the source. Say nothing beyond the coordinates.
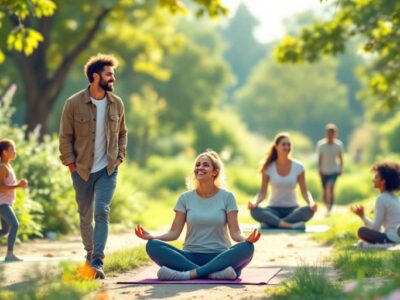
(372, 236)
(9, 224)
(237, 257)
(272, 215)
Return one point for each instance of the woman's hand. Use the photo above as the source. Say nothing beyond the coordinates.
(143, 234)
(358, 210)
(313, 207)
(251, 205)
(254, 236)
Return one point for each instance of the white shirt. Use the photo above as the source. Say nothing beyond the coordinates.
(387, 215)
(283, 188)
(100, 153)
(330, 156)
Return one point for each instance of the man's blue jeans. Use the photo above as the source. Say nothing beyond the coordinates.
(98, 192)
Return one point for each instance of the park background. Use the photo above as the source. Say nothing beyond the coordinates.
(194, 76)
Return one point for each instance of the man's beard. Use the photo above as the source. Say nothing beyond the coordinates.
(104, 85)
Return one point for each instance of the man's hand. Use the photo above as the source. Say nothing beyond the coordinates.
(72, 168)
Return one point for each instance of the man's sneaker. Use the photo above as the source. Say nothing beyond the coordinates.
(88, 258)
(12, 258)
(97, 266)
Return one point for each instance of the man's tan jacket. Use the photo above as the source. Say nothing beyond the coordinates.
(78, 129)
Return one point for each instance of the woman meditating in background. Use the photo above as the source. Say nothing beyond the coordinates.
(283, 173)
(209, 211)
(387, 207)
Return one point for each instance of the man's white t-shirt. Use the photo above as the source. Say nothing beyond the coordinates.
(330, 156)
(100, 153)
(283, 188)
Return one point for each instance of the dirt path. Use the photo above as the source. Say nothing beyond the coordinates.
(283, 250)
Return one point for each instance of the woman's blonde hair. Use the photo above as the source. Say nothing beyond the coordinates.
(220, 179)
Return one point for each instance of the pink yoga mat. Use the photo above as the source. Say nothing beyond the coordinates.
(250, 275)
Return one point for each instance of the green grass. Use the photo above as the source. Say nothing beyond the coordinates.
(66, 285)
(126, 259)
(359, 263)
(308, 282)
(69, 283)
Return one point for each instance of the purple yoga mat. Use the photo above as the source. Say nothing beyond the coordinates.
(250, 275)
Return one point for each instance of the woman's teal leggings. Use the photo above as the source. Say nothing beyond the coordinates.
(237, 257)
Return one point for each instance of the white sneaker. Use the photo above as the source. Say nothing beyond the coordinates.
(299, 225)
(165, 273)
(227, 273)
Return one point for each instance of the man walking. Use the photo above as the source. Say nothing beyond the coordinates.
(330, 163)
(93, 140)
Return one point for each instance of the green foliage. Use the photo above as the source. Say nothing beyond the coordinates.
(308, 282)
(125, 260)
(22, 38)
(358, 263)
(143, 119)
(48, 203)
(64, 285)
(168, 173)
(28, 211)
(49, 183)
(342, 231)
(391, 133)
(198, 79)
(354, 187)
(242, 50)
(281, 98)
(130, 199)
(222, 131)
(377, 22)
(244, 179)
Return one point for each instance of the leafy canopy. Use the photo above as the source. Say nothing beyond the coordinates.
(376, 23)
(23, 38)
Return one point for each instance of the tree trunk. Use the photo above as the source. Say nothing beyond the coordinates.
(42, 89)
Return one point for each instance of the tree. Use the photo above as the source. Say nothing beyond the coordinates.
(242, 51)
(375, 22)
(143, 117)
(199, 77)
(302, 98)
(65, 35)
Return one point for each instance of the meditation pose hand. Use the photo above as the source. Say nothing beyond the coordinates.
(282, 174)
(210, 213)
(358, 210)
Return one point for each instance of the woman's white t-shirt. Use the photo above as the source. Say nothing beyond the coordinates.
(283, 188)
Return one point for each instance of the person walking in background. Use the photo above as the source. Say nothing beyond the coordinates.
(387, 207)
(283, 173)
(330, 164)
(93, 139)
(8, 185)
(209, 211)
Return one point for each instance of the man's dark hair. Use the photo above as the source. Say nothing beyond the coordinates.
(95, 64)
